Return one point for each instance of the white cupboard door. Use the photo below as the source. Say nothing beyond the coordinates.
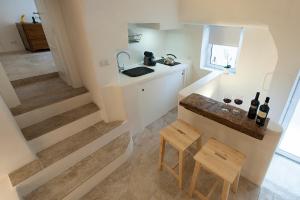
(159, 96)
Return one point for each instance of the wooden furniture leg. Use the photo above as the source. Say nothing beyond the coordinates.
(194, 178)
(199, 144)
(225, 190)
(180, 163)
(162, 152)
(236, 183)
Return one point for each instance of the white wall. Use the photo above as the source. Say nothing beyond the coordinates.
(258, 58)
(14, 151)
(184, 42)
(7, 91)
(10, 13)
(153, 40)
(256, 63)
(281, 17)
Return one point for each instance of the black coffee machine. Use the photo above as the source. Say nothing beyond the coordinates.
(149, 59)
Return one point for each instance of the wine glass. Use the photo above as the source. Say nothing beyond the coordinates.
(226, 100)
(238, 101)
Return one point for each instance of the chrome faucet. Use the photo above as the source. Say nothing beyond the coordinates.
(121, 68)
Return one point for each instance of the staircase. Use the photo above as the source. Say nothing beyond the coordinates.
(75, 149)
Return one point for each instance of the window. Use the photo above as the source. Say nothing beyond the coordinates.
(220, 48)
(223, 55)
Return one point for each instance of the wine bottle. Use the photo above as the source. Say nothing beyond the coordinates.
(253, 107)
(263, 113)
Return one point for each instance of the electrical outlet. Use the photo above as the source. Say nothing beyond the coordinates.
(104, 63)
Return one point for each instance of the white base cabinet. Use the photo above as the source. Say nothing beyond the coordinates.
(158, 96)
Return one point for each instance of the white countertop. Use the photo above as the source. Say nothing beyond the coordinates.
(159, 70)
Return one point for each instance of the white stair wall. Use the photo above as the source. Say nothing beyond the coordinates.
(58, 167)
(43, 113)
(63, 132)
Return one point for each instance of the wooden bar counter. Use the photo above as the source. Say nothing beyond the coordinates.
(212, 109)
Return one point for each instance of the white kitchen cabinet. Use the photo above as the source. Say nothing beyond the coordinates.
(158, 96)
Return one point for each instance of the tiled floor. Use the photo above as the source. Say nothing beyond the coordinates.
(139, 178)
(284, 177)
(25, 64)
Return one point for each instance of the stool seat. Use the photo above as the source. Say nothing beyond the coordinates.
(180, 135)
(220, 159)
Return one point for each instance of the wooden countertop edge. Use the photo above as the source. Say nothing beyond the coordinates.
(223, 121)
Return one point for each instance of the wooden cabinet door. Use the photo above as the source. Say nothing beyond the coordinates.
(159, 96)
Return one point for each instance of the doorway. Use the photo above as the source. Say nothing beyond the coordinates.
(290, 143)
(37, 66)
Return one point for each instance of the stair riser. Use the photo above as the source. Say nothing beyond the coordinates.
(57, 168)
(40, 114)
(63, 132)
(100, 176)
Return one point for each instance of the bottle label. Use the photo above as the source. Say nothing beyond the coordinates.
(254, 107)
(262, 114)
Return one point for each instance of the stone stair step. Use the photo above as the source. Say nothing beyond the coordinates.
(55, 122)
(62, 149)
(63, 184)
(43, 92)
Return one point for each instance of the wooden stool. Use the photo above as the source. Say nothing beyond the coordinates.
(180, 135)
(222, 161)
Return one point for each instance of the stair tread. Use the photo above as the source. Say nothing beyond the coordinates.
(62, 149)
(43, 92)
(57, 121)
(63, 184)
(34, 79)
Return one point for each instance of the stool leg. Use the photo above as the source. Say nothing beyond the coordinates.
(180, 164)
(225, 191)
(194, 178)
(236, 183)
(161, 152)
(199, 144)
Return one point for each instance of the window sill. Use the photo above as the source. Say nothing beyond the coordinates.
(223, 70)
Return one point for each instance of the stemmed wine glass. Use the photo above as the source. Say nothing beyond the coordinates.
(226, 100)
(238, 101)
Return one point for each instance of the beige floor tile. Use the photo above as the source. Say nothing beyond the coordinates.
(22, 65)
(144, 181)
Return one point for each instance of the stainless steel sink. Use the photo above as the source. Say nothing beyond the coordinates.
(137, 71)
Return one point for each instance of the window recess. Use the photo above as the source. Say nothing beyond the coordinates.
(220, 47)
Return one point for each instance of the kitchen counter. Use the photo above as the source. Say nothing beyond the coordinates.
(159, 70)
(146, 98)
